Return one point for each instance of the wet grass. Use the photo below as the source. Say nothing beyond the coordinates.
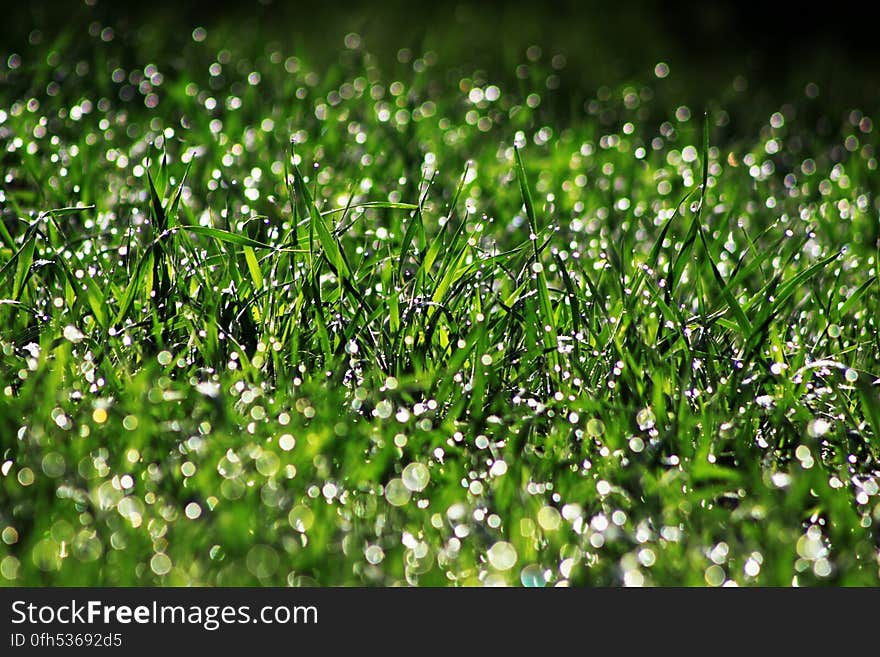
(266, 324)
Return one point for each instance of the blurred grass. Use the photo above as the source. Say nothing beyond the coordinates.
(333, 296)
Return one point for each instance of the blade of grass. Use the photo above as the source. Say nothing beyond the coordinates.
(548, 329)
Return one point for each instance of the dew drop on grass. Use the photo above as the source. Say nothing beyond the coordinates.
(268, 464)
(9, 567)
(549, 518)
(46, 555)
(25, 476)
(329, 491)
(781, 479)
(229, 466)
(262, 561)
(208, 388)
(287, 442)
(851, 375)
(193, 510)
(636, 444)
(502, 555)
(73, 334)
(374, 554)
(301, 518)
(61, 419)
(498, 469)
(647, 557)
(595, 427)
(87, 546)
(822, 567)
(164, 357)
(9, 535)
(714, 575)
(53, 464)
(572, 511)
(532, 576)
(416, 477)
(383, 409)
(645, 419)
(818, 427)
(160, 563)
(397, 493)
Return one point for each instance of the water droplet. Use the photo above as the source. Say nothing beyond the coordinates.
(818, 427)
(502, 555)
(301, 518)
(645, 419)
(498, 469)
(595, 427)
(636, 444)
(268, 463)
(397, 493)
(9, 535)
(73, 334)
(532, 576)
(160, 563)
(9, 567)
(25, 476)
(46, 555)
(383, 409)
(549, 518)
(374, 554)
(53, 464)
(416, 477)
(714, 575)
(207, 388)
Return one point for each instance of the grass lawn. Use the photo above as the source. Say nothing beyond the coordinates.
(281, 313)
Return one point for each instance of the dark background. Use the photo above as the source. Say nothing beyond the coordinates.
(766, 41)
(747, 59)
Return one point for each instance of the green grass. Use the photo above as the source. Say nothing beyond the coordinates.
(264, 324)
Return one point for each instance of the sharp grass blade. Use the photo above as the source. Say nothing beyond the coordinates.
(328, 242)
(548, 329)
